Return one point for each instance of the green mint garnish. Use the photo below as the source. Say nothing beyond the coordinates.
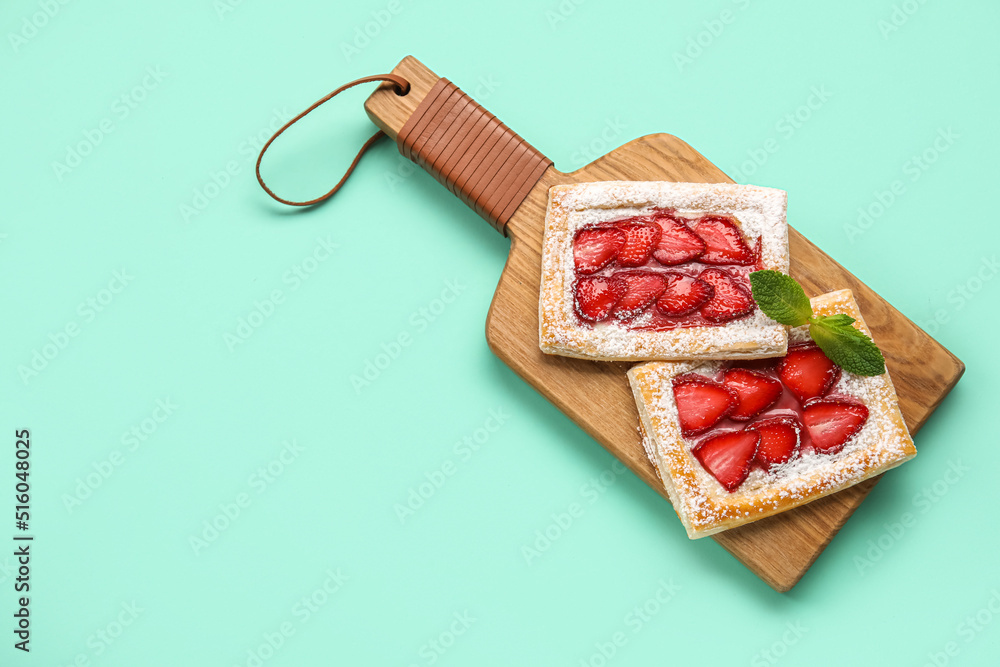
(840, 320)
(846, 346)
(782, 299)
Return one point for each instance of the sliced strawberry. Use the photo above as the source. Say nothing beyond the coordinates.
(779, 438)
(641, 289)
(683, 294)
(640, 239)
(832, 422)
(807, 372)
(724, 243)
(755, 392)
(701, 403)
(597, 295)
(677, 243)
(730, 299)
(596, 247)
(727, 456)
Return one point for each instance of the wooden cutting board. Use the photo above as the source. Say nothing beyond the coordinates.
(596, 395)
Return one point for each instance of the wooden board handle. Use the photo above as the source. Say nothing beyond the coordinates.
(465, 147)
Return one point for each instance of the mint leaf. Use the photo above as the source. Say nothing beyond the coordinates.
(846, 346)
(780, 297)
(839, 319)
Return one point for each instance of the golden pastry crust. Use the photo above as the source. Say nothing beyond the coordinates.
(705, 507)
(759, 212)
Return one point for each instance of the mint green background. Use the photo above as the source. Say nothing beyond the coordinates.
(606, 64)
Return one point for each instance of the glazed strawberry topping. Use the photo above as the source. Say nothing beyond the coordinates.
(755, 392)
(724, 243)
(641, 289)
(729, 301)
(597, 295)
(779, 438)
(698, 291)
(701, 403)
(832, 422)
(677, 243)
(807, 372)
(683, 294)
(728, 456)
(765, 398)
(595, 248)
(640, 239)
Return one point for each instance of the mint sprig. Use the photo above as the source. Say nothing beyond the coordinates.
(781, 298)
(847, 347)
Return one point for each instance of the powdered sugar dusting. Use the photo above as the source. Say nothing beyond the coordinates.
(759, 212)
(706, 507)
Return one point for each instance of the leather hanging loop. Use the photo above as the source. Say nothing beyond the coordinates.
(402, 88)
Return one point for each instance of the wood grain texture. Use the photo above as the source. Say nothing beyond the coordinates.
(596, 395)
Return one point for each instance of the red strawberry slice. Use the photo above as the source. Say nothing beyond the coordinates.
(641, 289)
(807, 372)
(730, 299)
(727, 456)
(677, 243)
(701, 403)
(595, 248)
(723, 240)
(597, 295)
(779, 438)
(640, 239)
(832, 422)
(755, 392)
(683, 294)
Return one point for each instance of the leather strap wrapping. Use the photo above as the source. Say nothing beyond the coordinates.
(481, 160)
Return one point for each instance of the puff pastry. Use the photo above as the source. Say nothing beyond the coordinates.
(759, 214)
(704, 506)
